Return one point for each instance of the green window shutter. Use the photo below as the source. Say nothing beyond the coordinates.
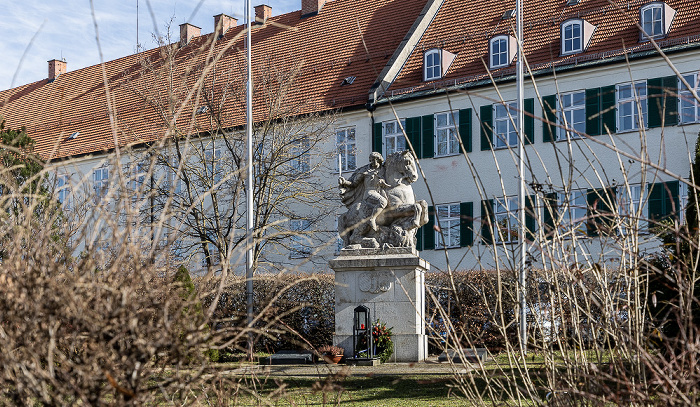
(608, 111)
(530, 217)
(377, 138)
(466, 224)
(593, 115)
(663, 201)
(670, 84)
(549, 107)
(419, 238)
(486, 127)
(429, 230)
(529, 120)
(662, 102)
(487, 221)
(601, 211)
(549, 213)
(428, 136)
(465, 128)
(413, 134)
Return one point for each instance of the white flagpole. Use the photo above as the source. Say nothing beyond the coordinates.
(521, 175)
(249, 182)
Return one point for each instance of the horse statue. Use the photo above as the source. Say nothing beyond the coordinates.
(382, 209)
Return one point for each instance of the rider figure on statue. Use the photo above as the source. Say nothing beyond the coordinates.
(367, 183)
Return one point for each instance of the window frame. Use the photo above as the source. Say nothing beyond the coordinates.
(632, 99)
(300, 158)
(567, 206)
(685, 97)
(346, 148)
(449, 226)
(100, 186)
(450, 129)
(562, 110)
(629, 204)
(63, 190)
(299, 247)
(511, 120)
(509, 212)
(436, 55)
(564, 26)
(397, 136)
(212, 162)
(662, 19)
(506, 52)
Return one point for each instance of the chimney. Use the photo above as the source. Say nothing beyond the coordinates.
(311, 7)
(57, 67)
(262, 13)
(222, 23)
(187, 32)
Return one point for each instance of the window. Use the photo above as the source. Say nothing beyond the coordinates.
(572, 212)
(572, 115)
(631, 209)
(173, 182)
(432, 65)
(506, 221)
(652, 20)
(448, 219)
(631, 103)
(682, 199)
(393, 137)
(500, 53)
(446, 141)
(345, 144)
(63, 190)
(213, 165)
(214, 256)
(137, 179)
(689, 106)
(300, 245)
(339, 244)
(299, 156)
(572, 37)
(505, 124)
(100, 182)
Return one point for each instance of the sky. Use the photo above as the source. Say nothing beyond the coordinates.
(36, 31)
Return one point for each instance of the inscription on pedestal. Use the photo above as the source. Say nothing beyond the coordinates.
(375, 283)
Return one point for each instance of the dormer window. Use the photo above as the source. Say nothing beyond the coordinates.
(433, 66)
(502, 50)
(656, 19)
(576, 34)
(436, 62)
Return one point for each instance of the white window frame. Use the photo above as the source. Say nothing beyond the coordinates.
(686, 100)
(300, 161)
(299, 246)
(683, 189)
(629, 203)
(63, 190)
(173, 182)
(505, 217)
(572, 212)
(503, 55)
(338, 239)
(569, 105)
(655, 11)
(432, 64)
(100, 182)
(394, 139)
(345, 146)
(449, 222)
(213, 165)
(627, 107)
(509, 121)
(446, 133)
(564, 39)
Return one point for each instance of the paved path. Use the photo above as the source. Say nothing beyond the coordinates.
(321, 370)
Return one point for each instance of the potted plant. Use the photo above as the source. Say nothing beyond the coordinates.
(331, 354)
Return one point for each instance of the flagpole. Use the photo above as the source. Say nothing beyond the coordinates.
(521, 176)
(249, 182)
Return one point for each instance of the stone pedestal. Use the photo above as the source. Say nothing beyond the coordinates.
(391, 283)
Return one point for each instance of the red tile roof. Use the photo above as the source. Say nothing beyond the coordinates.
(347, 38)
(464, 28)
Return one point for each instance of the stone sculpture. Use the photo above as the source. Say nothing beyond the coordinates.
(382, 209)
